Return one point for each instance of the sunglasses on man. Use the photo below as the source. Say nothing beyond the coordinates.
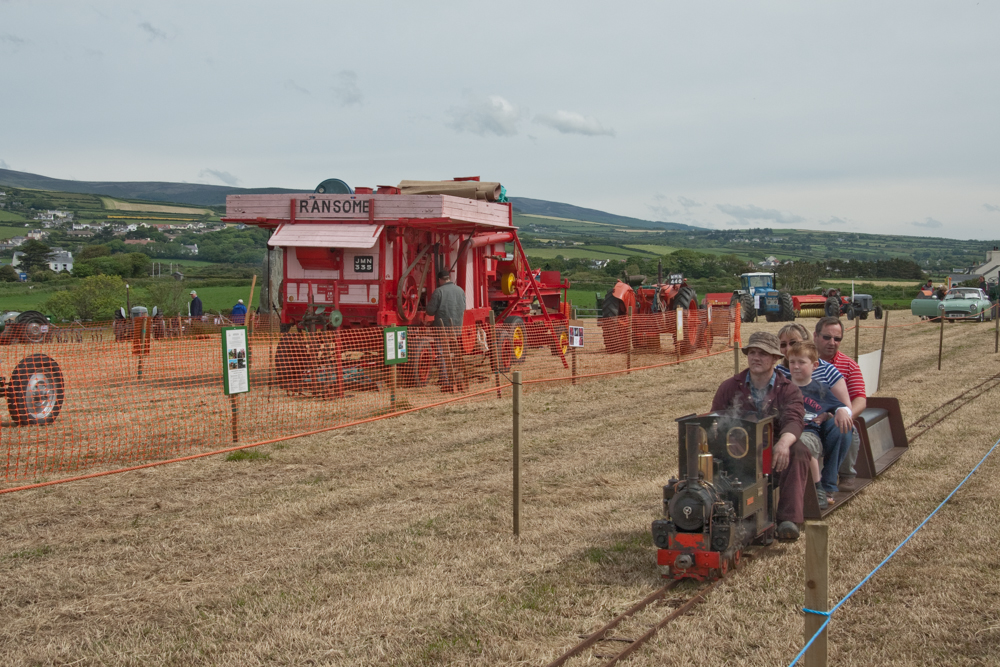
(836, 338)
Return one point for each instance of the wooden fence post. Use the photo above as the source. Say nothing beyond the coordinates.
(996, 322)
(817, 585)
(736, 338)
(881, 357)
(517, 453)
(628, 343)
(572, 352)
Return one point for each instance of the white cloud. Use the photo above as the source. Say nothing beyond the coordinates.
(346, 90)
(667, 209)
(749, 214)
(570, 122)
(153, 32)
(834, 220)
(928, 223)
(493, 115)
(4, 165)
(223, 176)
(992, 208)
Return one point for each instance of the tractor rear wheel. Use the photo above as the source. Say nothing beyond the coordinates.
(749, 312)
(832, 307)
(31, 327)
(849, 311)
(611, 306)
(36, 391)
(685, 296)
(787, 307)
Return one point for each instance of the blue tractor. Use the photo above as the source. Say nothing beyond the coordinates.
(758, 296)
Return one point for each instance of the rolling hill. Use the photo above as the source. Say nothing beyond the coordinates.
(215, 195)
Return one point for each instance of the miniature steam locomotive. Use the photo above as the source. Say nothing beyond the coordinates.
(725, 499)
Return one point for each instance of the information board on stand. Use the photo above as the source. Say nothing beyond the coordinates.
(395, 345)
(235, 360)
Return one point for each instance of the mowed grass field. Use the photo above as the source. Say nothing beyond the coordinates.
(390, 542)
(214, 299)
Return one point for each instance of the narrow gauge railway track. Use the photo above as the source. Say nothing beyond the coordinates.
(950, 407)
(632, 644)
(938, 415)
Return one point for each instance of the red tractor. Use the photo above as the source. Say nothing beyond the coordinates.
(355, 261)
(35, 389)
(661, 301)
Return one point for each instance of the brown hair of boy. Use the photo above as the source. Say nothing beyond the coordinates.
(804, 348)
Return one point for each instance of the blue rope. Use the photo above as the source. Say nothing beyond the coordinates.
(829, 614)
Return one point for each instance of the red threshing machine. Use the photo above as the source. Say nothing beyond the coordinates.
(357, 261)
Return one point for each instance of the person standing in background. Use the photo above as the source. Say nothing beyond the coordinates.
(239, 312)
(195, 305)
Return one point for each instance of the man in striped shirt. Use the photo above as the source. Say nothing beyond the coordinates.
(829, 334)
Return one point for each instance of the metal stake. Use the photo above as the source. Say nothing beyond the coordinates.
(857, 336)
(232, 405)
(881, 357)
(941, 340)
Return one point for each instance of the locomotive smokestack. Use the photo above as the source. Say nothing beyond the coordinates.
(691, 437)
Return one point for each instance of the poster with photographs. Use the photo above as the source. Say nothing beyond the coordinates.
(395, 345)
(235, 357)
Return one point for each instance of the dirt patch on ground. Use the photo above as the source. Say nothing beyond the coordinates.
(390, 542)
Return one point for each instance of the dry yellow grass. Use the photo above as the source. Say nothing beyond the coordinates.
(389, 543)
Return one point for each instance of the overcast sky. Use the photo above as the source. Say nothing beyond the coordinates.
(855, 116)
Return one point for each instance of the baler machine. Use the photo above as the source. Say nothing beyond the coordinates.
(363, 260)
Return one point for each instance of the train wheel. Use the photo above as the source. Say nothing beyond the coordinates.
(36, 391)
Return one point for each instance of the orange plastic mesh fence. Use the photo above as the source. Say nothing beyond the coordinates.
(110, 395)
